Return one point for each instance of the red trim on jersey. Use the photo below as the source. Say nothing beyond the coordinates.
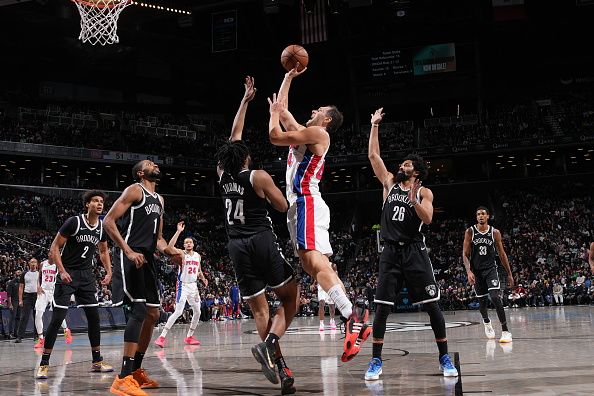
(310, 233)
(309, 172)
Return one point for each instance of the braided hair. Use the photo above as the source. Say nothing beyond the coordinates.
(231, 156)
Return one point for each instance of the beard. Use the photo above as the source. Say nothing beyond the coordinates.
(401, 176)
(152, 176)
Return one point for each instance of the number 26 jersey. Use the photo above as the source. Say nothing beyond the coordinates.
(400, 222)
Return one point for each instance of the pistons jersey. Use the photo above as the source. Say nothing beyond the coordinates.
(188, 272)
(245, 212)
(400, 222)
(140, 224)
(48, 275)
(81, 243)
(482, 254)
(304, 172)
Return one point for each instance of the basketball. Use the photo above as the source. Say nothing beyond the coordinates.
(292, 55)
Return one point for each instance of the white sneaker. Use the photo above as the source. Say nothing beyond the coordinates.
(332, 324)
(489, 331)
(506, 336)
(321, 326)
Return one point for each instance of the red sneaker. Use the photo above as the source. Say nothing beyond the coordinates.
(357, 331)
(191, 341)
(39, 343)
(160, 341)
(68, 336)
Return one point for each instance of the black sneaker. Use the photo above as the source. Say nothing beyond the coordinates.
(286, 377)
(265, 357)
(18, 340)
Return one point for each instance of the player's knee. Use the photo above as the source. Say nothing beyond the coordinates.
(58, 316)
(138, 312)
(382, 311)
(152, 314)
(92, 314)
(495, 296)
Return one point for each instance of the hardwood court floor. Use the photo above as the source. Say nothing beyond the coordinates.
(552, 354)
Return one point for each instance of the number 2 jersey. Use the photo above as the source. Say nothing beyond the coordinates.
(188, 272)
(482, 254)
(81, 245)
(245, 212)
(400, 222)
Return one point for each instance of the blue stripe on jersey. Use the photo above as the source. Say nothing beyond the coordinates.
(179, 284)
(301, 222)
(301, 168)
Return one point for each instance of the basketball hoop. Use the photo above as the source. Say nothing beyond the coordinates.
(99, 20)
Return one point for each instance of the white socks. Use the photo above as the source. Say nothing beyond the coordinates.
(343, 303)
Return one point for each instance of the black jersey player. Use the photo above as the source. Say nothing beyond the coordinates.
(73, 250)
(135, 224)
(407, 206)
(482, 245)
(253, 248)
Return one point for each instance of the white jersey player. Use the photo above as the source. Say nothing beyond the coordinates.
(187, 289)
(45, 297)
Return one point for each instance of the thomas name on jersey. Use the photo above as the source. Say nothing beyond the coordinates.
(233, 187)
(152, 208)
(400, 198)
(483, 241)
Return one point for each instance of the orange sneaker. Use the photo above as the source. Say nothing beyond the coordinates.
(68, 336)
(191, 341)
(126, 386)
(357, 331)
(39, 343)
(143, 379)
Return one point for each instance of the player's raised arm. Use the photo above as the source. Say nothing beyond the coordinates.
(309, 135)
(180, 228)
(239, 120)
(503, 256)
(373, 153)
(286, 118)
(265, 187)
(466, 247)
(130, 195)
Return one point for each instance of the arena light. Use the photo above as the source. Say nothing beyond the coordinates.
(27, 160)
(580, 149)
(158, 7)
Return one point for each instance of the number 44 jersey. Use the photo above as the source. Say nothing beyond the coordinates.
(245, 212)
(81, 242)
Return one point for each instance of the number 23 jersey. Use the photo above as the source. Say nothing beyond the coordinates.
(80, 247)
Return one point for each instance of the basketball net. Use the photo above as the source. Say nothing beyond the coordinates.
(99, 20)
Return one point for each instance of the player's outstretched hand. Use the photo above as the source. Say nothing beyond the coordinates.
(137, 258)
(295, 72)
(377, 117)
(413, 192)
(205, 282)
(181, 226)
(277, 105)
(250, 89)
(510, 281)
(65, 276)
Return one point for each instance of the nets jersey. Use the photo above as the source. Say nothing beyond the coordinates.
(245, 212)
(188, 273)
(48, 275)
(400, 222)
(140, 224)
(81, 242)
(304, 172)
(482, 254)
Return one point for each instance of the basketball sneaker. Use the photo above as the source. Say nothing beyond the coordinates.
(356, 332)
(332, 324)
(321, 326)
(447, 367)
(286, 377)
(101, 367)
(42, 372)
(160, 342)
(489, 331)
(265, 356)
(191, 341)
(39, 343)
(143, 380)
(126, 386)
(374, 370)
(506, 336)
(68, 336)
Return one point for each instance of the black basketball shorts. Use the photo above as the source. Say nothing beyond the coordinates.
(131, 284)
(258, 263)
(83, 288)
(486, 279)
(407, 263)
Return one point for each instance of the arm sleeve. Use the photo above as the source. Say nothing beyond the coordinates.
(69, 227)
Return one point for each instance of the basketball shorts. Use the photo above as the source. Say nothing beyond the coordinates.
(308, 220)
(44, 299)
(406, 264)
(83, 287)
(187, 293)
(131, 284)
(486, 279)
(258, 263)
(322, 295)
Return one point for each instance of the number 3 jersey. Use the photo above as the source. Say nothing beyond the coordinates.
(188, 272)
(400, 222)
(81, 242)
(482, 254)
(245, 212)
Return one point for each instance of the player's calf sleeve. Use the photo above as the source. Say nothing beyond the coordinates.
(94, 328)
(436, 319)
(379, 328)
(496, 299)
(58, 316)
(135, 319)
(483, 306)
(341, 300)
(39, 322)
